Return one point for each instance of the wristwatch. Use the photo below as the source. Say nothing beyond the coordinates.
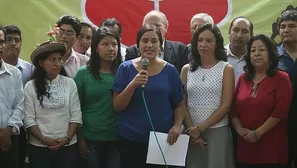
(13, 129)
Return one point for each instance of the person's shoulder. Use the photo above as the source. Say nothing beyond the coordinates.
(127, 64)
(281, 74)
(12, 69)
(281, 50)
(82, 57)
(67, 81)
(25, 62)
(132, 48)
(29, 85)
(171, 68)
(82, 68)
(185, 69)
(227, 64)
(176, 43)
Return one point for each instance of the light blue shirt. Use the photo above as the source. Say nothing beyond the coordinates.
(237, 63)
(26, 69)
(11, 97)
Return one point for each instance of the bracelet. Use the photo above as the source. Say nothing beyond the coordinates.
(255, 134)
(43, 141)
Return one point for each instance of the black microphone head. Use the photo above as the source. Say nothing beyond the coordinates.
(145, 62)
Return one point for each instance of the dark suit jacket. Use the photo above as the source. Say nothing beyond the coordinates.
(175, 53)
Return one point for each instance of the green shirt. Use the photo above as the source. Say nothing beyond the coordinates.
(100, 121)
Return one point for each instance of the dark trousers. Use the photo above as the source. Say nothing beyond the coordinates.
(22, 144)
(9, 159)
(103, 154)
(43, 157)
(292, 136)
(241, 165)
(133, 154)
(235, 140)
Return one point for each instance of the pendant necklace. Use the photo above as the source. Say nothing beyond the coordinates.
(255, 88)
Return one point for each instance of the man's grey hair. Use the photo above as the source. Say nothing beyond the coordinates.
(206, 17)
(158, 14)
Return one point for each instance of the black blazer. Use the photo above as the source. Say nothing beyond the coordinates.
(175, 53)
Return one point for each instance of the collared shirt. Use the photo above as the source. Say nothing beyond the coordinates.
(26, 69)
(286, 63)
(237, 64)
(123, 52)
(74, 62)
(161, 53)
(11, 97)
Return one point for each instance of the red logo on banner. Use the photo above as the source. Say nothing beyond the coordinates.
(131, 12)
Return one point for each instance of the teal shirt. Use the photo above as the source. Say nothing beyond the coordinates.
(100, 121)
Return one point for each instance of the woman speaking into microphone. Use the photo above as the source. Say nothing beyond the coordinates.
(163, 95)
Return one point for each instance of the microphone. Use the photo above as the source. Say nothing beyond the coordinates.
(144, 63)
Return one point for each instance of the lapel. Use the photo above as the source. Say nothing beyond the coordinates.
(168, 51)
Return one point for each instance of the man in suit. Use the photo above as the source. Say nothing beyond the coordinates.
(175, 53)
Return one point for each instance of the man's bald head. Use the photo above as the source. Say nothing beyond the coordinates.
(158, 19)
(157, 14)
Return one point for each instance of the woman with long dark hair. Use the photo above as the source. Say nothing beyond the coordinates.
(260, 109)
(98, 137)
(209, 84)
(52, 110)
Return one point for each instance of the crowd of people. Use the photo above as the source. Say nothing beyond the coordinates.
(79, 103)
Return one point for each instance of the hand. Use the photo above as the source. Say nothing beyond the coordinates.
(173, 134)
(51, 142)
(250, 137)
(140, 79)
(61, 143)
(83, 148)
(5, 134)
(6, 146)
(194, 132)
(198, 142)
(242, 132)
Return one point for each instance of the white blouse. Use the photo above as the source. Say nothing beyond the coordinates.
(204, 88)
(59, 109)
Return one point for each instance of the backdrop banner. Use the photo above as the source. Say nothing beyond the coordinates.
(36, 17)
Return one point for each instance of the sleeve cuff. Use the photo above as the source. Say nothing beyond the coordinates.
(28, 126)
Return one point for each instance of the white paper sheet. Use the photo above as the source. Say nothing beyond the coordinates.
(175, 155)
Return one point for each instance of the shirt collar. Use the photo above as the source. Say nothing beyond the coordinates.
(20, 64)
(230, 54)
(282, 51)
(73, 54)
(53, 81)
(4, 68)
(163, 45)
